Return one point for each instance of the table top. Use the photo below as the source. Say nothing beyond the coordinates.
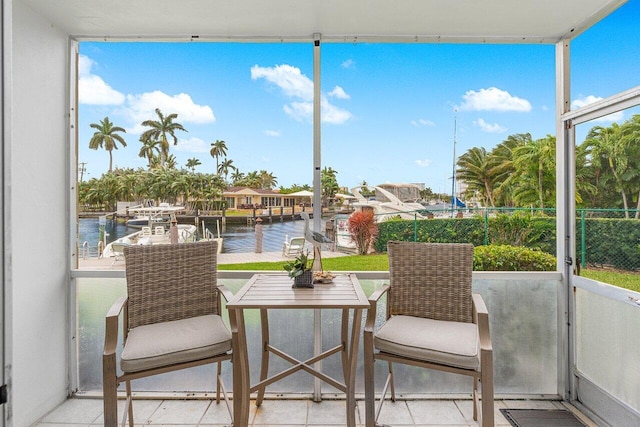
(275, 291)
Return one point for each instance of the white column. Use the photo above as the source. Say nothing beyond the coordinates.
(317, 201)
(565, 218)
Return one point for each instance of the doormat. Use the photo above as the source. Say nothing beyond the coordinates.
(541, 418)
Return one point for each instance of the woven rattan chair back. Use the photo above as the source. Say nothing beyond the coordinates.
(431, 280)
(171, 282)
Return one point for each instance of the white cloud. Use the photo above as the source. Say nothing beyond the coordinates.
(423, 163)
(339, 93)
(349, 63)
(299, 111)
(489, 128)
(493, 99)
(92, 90)
(142, 107)
(332, 114)
(192, 145)
(296, 85)
(288, 78)
(422, 123)
(273, 133)
(590, 99)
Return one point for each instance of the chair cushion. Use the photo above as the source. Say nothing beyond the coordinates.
(446, 343)
(178, 341)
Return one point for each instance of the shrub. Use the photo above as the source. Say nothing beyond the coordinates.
(511, 258)
(363, 230)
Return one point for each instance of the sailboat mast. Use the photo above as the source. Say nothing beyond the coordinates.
(453, 176)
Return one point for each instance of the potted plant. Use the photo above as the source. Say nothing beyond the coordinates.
(299, 270)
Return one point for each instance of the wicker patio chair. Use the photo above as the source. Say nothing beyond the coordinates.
(432, 320)
(171, 319)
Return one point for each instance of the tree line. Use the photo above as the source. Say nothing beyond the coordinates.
(163, 181)
(521, 172)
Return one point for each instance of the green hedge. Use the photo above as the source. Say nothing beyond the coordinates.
(511, 258)
(518, 229)
(610, 242)
(437, 230)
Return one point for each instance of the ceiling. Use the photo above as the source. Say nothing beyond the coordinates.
(473, 21)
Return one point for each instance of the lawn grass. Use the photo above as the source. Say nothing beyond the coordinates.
(380, 262)
(621, 279)
(377, 262)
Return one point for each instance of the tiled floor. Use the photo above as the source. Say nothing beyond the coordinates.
(298, 413)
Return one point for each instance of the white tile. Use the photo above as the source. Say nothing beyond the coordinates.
(281, 413)
(392, 413)
(142, 410)
(327, 412)
(188, 412)
(75, 411)
(217, 413)
(440, 412)
(466, 407)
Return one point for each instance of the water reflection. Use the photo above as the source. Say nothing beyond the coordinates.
(236, 238)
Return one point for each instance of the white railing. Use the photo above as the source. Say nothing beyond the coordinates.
(523, 315)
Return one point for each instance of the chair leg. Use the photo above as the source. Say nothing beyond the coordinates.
(486, 377)
(369, 383)
(475, 398)
(130, 400)
(218, 382)
(110, 399)
(393, 387)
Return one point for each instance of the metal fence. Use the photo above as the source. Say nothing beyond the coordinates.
(605, 238)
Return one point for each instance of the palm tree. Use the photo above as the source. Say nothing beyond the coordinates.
(171, 162)
(475, 168)
(160, 129)
(106, 136)
(150, 150)
(225, 167)
(503, 169)
(192, 163)
(607, 147)
(236, 176)
(267, 180)
(218, 148)
(535, 159)
(631, 135)
(329, 183)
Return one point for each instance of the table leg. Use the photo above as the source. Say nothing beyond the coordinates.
(317, 349)
(240, 368)
(345, 342)
(353, 363)
(264, 363)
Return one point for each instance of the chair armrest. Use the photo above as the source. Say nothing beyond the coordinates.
(481, 318)
(373, 306)
(111, 326)
(225, 292)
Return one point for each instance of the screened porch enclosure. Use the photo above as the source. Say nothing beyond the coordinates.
(573, 343)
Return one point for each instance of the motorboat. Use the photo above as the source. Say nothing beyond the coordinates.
(152, 216)
(391, 201)
(157, 235)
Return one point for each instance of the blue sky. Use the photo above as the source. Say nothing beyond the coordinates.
(388, 109)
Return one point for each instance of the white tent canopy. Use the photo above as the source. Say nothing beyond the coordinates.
(301, 193)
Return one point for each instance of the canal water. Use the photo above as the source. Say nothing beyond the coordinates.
(236, 238)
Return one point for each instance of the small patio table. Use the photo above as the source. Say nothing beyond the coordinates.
(274, 291)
